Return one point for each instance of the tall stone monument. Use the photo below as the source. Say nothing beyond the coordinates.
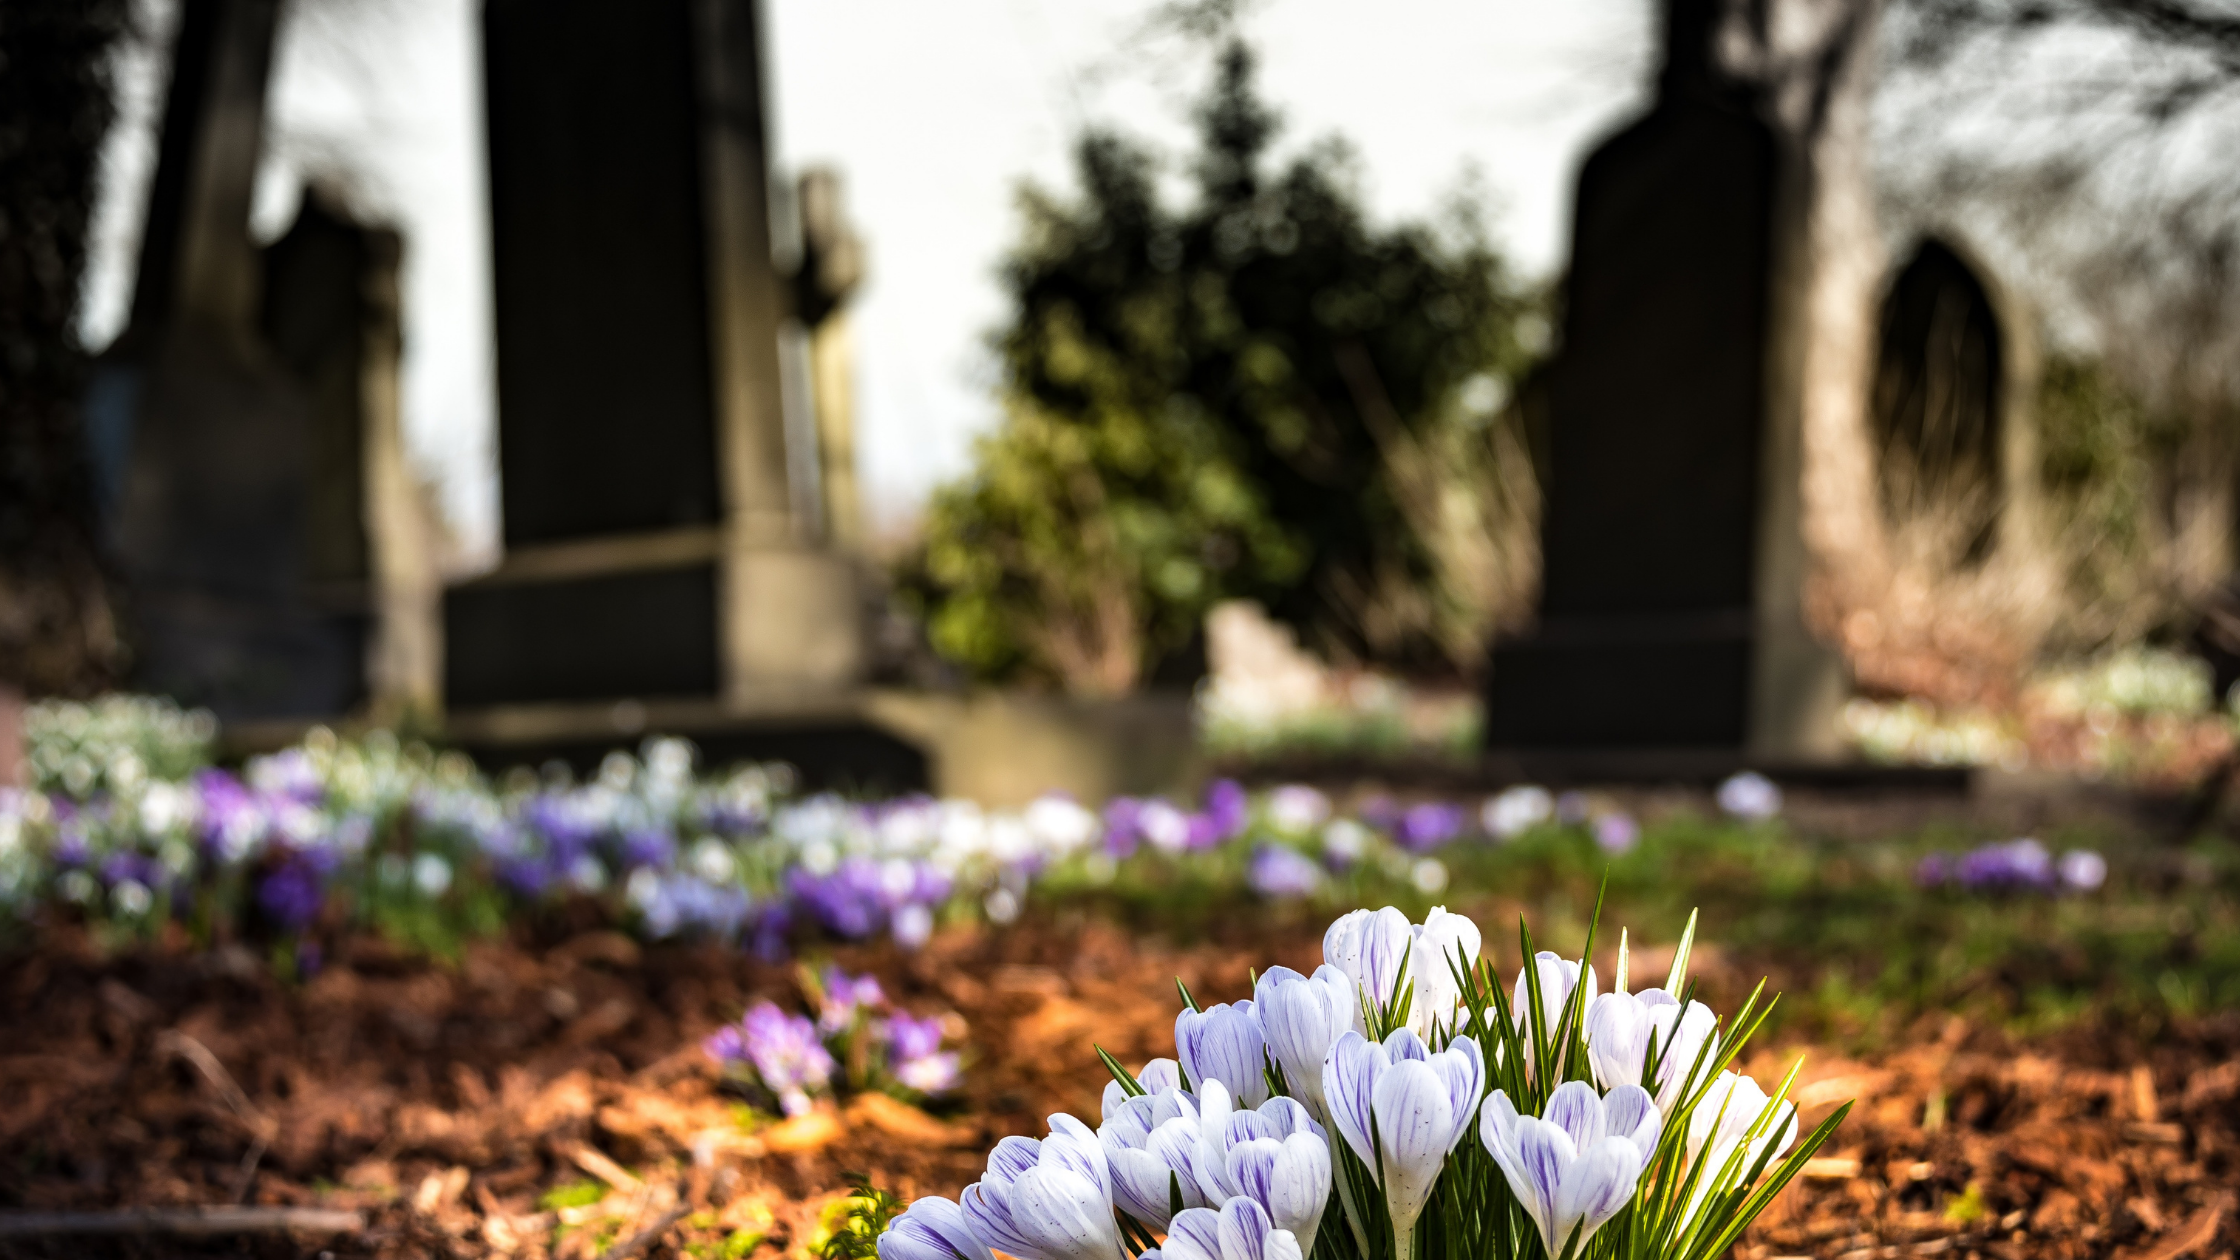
(655, 547)
(1696, 306)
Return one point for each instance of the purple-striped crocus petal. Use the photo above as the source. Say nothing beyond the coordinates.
(1596, 1187)
(987, 1205)
(1368, 947)
(1012, 1156)
(1543, 1153)
(1576, 1109)
(1224, 1043)
(1072, 1146)
(1287, 1117)
(1064, 1215)
(1402, 1043)
(933, 1229)
(1179, 1146)
(1501, 1129)
(1290, 1178)
(1414, 1120)
(1630, 1113)
(1349, 1081)
(1194, 1234)
(1140, 1182)
(1214, 1117)
(1302, 1017)
(1243, 1229)
(1462, 1068)
(1618, 1039)
(1160, 1076)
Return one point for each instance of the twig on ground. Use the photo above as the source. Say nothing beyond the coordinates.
(261, 1126)
(648, 1236)
(206, 1222)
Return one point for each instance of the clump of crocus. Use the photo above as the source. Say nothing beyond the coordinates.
(1403, 1092)
(858, 1041)
(777, 1053)
(2014, 866)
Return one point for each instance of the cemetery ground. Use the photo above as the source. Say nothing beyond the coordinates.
(2037, 1075)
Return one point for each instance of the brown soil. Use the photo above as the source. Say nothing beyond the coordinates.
(445, 1101)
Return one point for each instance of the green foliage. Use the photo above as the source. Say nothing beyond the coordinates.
(851, 1226)
(1260, 395)
(571, 1194)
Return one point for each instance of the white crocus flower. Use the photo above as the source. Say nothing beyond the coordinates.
(933, 1229)
(1621, 1028)
(1558, 977)
(1276, 1155)
(1720, 1128)
(1403, 1109)
(1142, 1178)
(1240, 1230)
(1156, 1077)
(1302, 1017)
(1047, 1200)
(1577, 1167)
(1370, 948)
(1224, 1043)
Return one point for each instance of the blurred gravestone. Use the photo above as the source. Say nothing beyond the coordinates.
(1670, 614)
(244, 427)
(654, 545)
(203, 438)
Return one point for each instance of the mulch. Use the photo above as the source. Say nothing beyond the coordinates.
(443, 1101)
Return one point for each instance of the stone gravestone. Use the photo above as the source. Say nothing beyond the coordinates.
(1669, 616)
(202, 440)
(654, 547)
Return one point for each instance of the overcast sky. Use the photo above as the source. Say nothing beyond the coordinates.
(934, 114)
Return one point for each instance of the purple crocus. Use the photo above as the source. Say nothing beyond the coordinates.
(1428, 825)
(1277, 872)
(1123, 826)
(846, 997)
(915, 1056)
(1228, 809)
(1616, 833)
(782, 1051)
(293, 894)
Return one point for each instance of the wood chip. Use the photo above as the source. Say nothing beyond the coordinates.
(806, 1132)
(593, 1161)
(1831, 1168)
(899, 1119)
(2199, 1231)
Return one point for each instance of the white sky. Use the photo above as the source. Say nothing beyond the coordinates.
(934, 114)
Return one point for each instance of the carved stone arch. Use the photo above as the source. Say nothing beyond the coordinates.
(1950, 408)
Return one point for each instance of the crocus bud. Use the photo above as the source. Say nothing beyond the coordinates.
(1570, 1171)
(1224, 1043)
(1302, 1017)
(1368, 948)
(933, 1229)
(1621, 1028)
(1407, 1103)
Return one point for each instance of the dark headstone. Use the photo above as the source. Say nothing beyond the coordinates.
(640, 431)
(209, 437)
(598, 252)
(1658, 431)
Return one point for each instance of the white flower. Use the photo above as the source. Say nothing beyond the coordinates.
(431, 874)
(1047, 1200)
(1371, 947)
(1224, 1043)
(1277, 1156)
(1241, 1230)
(1061, 824)
(1296, 809)
(1517, 811)
(1558, 977)
(1402, 1109)
(933, 1229)
(1622, 1026)
(1578, 1167)
(1302, 1017)
(1750, 796)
